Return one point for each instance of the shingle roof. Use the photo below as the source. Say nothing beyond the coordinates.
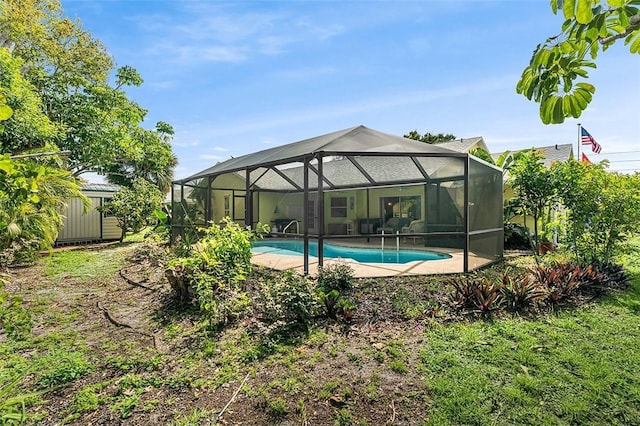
(551, 154)
(464, 145)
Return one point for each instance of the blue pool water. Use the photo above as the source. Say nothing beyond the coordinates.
(367, 255)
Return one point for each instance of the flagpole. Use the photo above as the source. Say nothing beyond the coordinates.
(579, 140)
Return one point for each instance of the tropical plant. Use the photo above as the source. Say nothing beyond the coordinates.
(521, 291)
(560, 280)
(556, 65)
(32, 195)
(477, 294)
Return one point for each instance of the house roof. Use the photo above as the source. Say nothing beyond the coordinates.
(551, 154)
(465, 145)
(358, 139)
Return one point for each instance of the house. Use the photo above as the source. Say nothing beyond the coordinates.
(351, 186)
(82, 226)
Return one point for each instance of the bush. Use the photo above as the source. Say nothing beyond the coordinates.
(338, 276)
(212, 272)
(288, 306)
(333, 281)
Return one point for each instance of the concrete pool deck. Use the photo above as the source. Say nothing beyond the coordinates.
(452, 265)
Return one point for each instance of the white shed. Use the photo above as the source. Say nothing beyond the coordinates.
(90, 226)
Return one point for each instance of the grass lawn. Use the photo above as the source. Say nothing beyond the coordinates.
(104, 349)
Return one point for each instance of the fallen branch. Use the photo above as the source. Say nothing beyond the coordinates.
(232, 398)
(117, 323)
(111, 319)
(135, 283)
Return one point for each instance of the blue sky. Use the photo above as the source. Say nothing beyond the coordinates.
(238, 77)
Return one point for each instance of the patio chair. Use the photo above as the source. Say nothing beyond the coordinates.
(415, 227)
(393, 225)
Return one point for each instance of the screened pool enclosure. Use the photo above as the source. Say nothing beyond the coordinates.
(355, 187)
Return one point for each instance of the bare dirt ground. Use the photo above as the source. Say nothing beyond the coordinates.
(151, 364)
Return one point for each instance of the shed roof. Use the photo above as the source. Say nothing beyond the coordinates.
(101, 187)
(358, 139)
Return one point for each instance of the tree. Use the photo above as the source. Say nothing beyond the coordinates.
(603, 207)
(534, 188)
(430, 138)
(133, 207)
(589, 27)
(27, 127)
(155, 163)
(70, 70)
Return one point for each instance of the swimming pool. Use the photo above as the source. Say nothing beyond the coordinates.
(365, 255)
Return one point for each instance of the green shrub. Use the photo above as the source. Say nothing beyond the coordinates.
(287, 308)
(338, 276)
(213, 270)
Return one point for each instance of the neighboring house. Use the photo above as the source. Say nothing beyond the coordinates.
(355, 184)
(90, 226)
(465, 145)
(550, 154)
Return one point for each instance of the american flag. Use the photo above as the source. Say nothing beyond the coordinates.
(587, 139)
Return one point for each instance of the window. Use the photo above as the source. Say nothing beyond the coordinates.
(339, 207)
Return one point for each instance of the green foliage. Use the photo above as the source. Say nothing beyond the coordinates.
(430, 138)
(5, 111)
(68, 75)
(534, 188)
(12, 406)
(63, 367)
(214, 269)
(515, 237)
(603, 208)
(333, 281)
(556, 65)
(27, 126)
(337, 276)
(133, 207)
(32, 195)
(287, 307)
